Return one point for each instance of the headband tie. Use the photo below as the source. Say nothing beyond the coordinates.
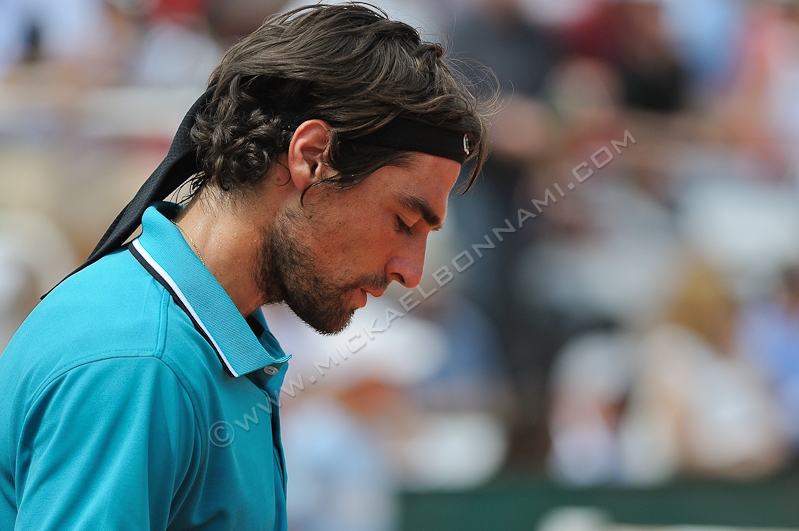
(181, 163)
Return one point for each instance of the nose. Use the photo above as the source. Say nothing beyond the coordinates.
(406, 266)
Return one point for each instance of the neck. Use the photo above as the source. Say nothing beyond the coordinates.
(228, 243)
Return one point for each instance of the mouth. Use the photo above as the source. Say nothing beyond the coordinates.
(374, 292)
(361, 295)
(360, 298)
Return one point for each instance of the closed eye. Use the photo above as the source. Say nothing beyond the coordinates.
(402, 227)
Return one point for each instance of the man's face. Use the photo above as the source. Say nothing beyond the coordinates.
(324, 257)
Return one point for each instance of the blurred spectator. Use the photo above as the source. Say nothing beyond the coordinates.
(339, 478)
(177, 47)
(707, 36)
(681, 401)
(607, 254)
(616, 263)
(762, 113)
(71, 31)
(735, 221)
(770, 338)
(632, 36)
(590, 381)
(697, 404)
(521, 53)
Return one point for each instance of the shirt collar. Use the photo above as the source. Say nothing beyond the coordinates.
(241, 348)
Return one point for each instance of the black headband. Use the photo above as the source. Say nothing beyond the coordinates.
(181, 163)
(409, 135)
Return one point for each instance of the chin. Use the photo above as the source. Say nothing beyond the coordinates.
(329, 330)
(325, 324)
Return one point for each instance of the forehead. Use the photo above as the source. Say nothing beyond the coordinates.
(422, 176)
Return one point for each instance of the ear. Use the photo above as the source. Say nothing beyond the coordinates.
(308, 152)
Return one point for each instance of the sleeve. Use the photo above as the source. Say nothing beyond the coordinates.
(111, 444)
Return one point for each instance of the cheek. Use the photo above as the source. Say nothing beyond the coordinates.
(354, 234)
(359, 243)
(363, 245)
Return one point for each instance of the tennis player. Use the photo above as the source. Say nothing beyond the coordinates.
(319, 160)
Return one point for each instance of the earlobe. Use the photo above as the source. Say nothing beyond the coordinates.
(307, 153)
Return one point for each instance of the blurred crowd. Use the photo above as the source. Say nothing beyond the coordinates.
(615, 302)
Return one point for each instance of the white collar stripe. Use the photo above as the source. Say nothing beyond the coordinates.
(192, 314)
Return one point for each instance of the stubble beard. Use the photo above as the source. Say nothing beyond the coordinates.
(290, 271)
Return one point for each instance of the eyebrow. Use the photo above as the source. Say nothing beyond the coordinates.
(421, 207)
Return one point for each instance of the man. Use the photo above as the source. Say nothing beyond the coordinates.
(320, 158)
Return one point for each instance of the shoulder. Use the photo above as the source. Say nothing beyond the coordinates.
(120, 428)
(111, 310)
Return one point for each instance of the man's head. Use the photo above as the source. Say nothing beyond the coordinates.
(291, 125)
(347, 65)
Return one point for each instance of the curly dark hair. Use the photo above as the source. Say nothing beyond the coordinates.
(348, 65)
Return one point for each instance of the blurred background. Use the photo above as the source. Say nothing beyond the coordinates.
(623, 353)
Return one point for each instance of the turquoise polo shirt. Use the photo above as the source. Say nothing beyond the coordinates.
(136, 396)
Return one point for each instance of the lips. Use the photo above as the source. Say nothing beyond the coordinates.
(360, 298)
(374, 292)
